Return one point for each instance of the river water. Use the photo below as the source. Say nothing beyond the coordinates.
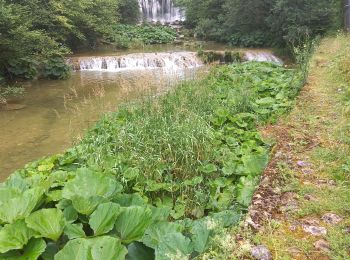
(58, 113)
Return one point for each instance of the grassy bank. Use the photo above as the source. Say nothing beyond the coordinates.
(160, 177)
(309, 178)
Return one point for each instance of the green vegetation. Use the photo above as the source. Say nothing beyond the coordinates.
(256, 23)
(159, 177)
(38, 33)
(217, 56)
(323, 186)
(125, 36)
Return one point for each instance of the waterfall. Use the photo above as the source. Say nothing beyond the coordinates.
(137, 61)
(163, 11)
(262, 56)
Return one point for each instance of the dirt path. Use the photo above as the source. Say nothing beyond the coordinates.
(302, 208)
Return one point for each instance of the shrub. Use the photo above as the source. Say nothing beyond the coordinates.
(126, 35)
(56, 68)
(254, 39)
(25, 68)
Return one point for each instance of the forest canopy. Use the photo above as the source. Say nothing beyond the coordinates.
(261, 22)
(41, 31)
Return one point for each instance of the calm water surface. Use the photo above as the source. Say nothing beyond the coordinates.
(57, 113)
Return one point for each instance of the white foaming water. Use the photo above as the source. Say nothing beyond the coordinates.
(262, 56)
(163, 11)
(139, 61)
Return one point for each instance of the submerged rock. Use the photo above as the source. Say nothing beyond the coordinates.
(261, 253)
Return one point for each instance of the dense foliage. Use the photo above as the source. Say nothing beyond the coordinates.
(126, 36)
(158, 178)
(36, 33)
(261, 22)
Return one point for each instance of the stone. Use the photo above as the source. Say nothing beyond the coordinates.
(331, 218)
(347, 230)
(294, 251)
(261, 253)
(315, 230)
(311, 221)
(307, 171)
(303, 164)
(322, 245)
(310, 197)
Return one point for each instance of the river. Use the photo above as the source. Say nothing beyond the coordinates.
(58, 113)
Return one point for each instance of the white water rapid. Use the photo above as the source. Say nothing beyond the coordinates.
(138, 61)
(163, 11)
(262, 56)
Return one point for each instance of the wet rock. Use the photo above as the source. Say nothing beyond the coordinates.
(307, 171)
(288, 197)
(311, 221)
(278, 154)
(261, 253)
(331, 218)
(289, 202)
(293, 227)
(310, 197)
(322, 245)
(315, 230)
(303, 164)
(252, 224)
(294, 251)
(347, 230)
(327, 182)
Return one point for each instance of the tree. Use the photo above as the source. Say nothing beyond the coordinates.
(35, 32)
(129, 11)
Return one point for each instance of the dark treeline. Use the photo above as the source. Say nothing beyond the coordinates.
(35, 34)
(260, 23)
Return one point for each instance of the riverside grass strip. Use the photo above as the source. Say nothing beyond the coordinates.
(158, 178)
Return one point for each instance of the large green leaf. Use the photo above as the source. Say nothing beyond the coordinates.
(21, 206)
(200, 236)
(48, 223)
(73, 231)
(7, 193)
(255, 163)
(86, 205)
(132, 223)
(174, 246)
(33, 249)
(227, 218)
(107, 248)
(245, 190)
(14, 236)
(88, 189)
(155, 233)
(77, 249)
(103, 219)
(99, 248)
(127, 200)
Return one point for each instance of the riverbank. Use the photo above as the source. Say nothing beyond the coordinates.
(301, 210)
